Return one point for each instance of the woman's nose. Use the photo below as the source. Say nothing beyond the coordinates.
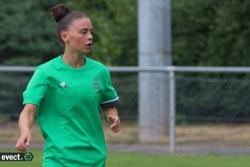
(90, 36)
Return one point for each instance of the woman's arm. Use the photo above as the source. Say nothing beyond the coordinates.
(113, 118)
(25, 121)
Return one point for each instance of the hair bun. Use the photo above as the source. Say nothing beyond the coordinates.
(59, 11)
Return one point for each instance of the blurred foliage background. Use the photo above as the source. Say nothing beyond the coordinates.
(211, 32)
(28, 31)
(204, 32)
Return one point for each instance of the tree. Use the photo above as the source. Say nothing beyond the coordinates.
(28, 32)
(210, 32)
(115, 29)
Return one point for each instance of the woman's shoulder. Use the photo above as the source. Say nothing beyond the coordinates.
(97, 64)
(48, 66)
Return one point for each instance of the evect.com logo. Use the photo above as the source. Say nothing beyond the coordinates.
(15, 156)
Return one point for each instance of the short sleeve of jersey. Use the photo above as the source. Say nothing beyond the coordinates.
(109, 96)
(35, 89)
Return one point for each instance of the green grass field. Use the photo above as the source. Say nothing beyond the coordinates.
(150, 160)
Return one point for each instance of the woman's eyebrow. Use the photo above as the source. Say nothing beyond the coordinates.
(86, 29)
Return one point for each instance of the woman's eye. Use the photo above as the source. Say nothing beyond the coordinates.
(84, 32)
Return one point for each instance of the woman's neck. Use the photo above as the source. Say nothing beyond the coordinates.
(73, 59)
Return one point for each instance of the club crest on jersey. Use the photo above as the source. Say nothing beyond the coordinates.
(63, 85)
(96, 84)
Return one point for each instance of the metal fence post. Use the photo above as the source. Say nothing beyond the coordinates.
(172, 110)
(154, 23)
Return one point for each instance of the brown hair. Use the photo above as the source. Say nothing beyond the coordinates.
(64, 17)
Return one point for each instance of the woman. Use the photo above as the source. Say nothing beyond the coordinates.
(67, 94)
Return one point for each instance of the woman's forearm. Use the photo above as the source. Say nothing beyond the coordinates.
(25, 121)
(26, 118)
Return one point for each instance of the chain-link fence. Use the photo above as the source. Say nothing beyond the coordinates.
(211, 109)
(215, 99)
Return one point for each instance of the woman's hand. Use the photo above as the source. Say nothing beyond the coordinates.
(23, 141)
(114, 121)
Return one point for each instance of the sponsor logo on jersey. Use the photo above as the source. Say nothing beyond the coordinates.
(63, 85)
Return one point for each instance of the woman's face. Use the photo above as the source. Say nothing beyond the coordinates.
(79, 35)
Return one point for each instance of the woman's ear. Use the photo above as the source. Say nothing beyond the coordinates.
(64, 36)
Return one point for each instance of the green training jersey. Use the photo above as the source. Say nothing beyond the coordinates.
(69, 101)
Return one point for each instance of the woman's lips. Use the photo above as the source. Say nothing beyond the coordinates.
(89, 45)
